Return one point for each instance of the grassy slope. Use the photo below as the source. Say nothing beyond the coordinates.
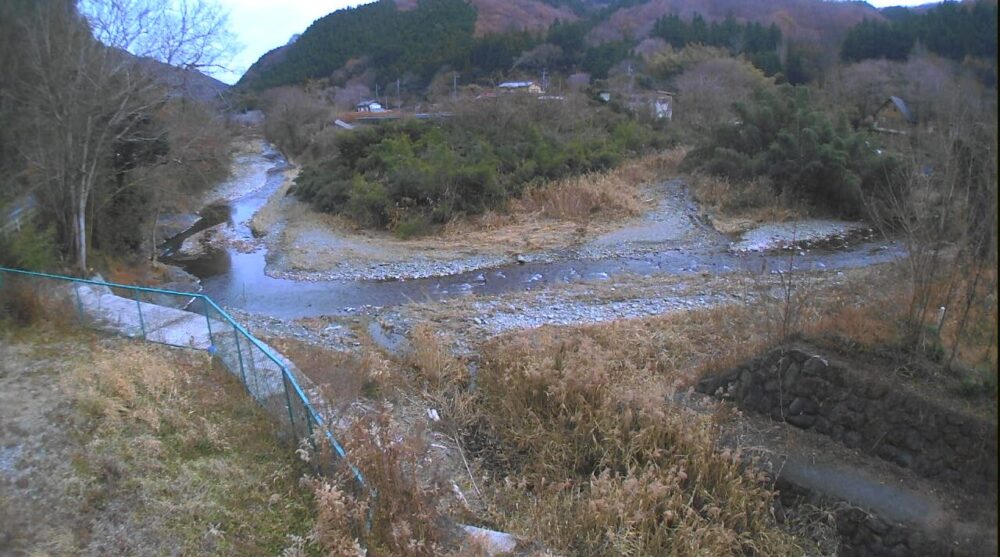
(166, 454)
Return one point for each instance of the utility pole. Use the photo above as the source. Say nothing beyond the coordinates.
(545, 80)
(454, 86)
(399, 102)
(631, 77)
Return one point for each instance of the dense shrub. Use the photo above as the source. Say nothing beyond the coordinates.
(20, 304)
(29, 248)
(411, 174)
(781, 134)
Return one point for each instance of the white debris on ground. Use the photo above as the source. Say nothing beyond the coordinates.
(497, 316)
(491, 541)
(781, 235)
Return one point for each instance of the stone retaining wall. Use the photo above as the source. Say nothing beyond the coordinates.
(864, 412)
(864, 534)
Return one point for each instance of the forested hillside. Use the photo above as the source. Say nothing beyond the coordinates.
(949, 30)
(411, 40)
(417, 41)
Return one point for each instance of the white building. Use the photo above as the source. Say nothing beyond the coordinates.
(369, 106)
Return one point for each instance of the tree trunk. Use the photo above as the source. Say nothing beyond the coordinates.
(81, 234)
(152, 232)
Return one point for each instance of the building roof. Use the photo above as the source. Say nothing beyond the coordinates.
(903, 109)
(515, 84)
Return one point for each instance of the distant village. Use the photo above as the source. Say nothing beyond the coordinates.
(658, 105)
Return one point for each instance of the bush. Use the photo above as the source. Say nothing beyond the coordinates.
(783, 136)
(20, 303)
(30, 248)
(417, 174)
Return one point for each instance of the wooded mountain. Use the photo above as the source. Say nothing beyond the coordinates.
(187, 83)
(412, 40)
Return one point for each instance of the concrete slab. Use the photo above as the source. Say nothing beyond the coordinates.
(177, 327)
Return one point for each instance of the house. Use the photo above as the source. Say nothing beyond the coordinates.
(369, 106)
(520, 87)
(893, 116)
(663, 106)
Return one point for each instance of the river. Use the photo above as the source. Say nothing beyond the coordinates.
(237, 279)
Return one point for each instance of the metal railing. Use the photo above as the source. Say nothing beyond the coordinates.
(185, 320)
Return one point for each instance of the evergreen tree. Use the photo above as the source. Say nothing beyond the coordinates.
(950, 29)
(783, 135)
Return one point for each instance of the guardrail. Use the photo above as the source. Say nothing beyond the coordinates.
(142, 312)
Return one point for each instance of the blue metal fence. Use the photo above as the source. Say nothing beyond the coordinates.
(187, 320)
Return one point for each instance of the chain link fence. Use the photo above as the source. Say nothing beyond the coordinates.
(179, 319)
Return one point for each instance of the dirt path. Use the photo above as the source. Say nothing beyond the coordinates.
(36, 450)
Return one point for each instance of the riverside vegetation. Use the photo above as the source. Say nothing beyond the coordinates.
(410, 175)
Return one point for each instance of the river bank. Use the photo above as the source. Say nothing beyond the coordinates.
(263, 252)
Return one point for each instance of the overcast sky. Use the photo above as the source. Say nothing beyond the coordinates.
(261, 25)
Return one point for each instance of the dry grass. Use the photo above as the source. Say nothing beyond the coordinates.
(875, 319)
(342, 376)
(588, 458)
(575, 201)
(737, 206)
(20, 304)
(586, 455)
(436, 368)
(25, 301)
(399, 511)
(408, 506)
(574, 439)
(610, 194)
(179, 452)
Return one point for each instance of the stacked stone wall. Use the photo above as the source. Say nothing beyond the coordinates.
(872, 414)
(863, 534)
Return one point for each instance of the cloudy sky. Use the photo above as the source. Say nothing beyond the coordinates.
(261, 25)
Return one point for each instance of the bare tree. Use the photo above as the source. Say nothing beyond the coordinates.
(942, 206)
(190, 34)
(84, 106)
(293, 117)
(710, 88)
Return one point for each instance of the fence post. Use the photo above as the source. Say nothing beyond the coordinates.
(253, 373)
(142, 322)
(309, 418)
(208, 321)
(288, 399)
(239, 353)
